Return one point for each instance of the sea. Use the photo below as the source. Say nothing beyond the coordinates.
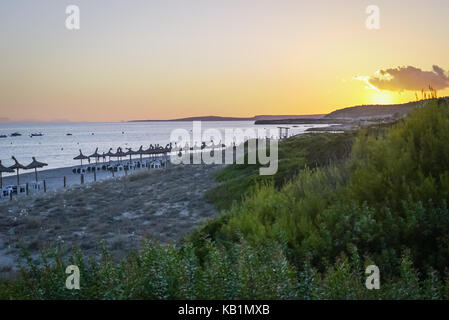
(61, 142)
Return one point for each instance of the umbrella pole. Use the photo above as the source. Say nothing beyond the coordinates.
(35, 173)
(1, 180)
(18, 179)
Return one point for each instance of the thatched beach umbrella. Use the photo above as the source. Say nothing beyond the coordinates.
(149, 151)
(81, 157)
(168, 147)
(119, 154)
(4, 169)
(140, 152)
(17, 166)
(116, 154)
(35, 165)
(167, 150)
(95, 155)
(129, 153)
(153, 151)
(109, 154)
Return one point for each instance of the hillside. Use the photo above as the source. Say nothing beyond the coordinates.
(339, 203)
(371, 112)
(386, 113)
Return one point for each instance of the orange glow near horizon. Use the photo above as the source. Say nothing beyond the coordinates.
(384, 97)
(170, 59)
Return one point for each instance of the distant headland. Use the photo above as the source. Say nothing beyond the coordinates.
(254, 118)
(353, 117)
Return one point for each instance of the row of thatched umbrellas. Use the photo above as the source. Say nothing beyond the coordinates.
(17, 166)
(152, 150)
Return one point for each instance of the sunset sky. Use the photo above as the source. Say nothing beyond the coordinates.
(160, 59)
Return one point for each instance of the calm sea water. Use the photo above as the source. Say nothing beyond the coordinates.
(58, 149)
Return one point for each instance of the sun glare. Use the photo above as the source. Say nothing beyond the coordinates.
(383, 97)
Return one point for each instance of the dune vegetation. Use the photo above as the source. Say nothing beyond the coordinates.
(338, 203)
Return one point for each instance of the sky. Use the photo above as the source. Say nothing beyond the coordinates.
(164, 59)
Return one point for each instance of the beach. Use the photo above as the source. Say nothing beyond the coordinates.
(122, 209)
(54, 178)
(56, 148)
(159, 204)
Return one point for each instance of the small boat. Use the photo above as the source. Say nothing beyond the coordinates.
(15, 134)
(36, 135)
(68, 134)
(3, 136)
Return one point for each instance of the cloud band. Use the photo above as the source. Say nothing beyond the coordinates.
(409, 79)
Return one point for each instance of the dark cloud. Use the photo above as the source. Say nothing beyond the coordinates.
(410, 78)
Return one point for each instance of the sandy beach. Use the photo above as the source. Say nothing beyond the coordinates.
(161, 204)
(54, 178)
